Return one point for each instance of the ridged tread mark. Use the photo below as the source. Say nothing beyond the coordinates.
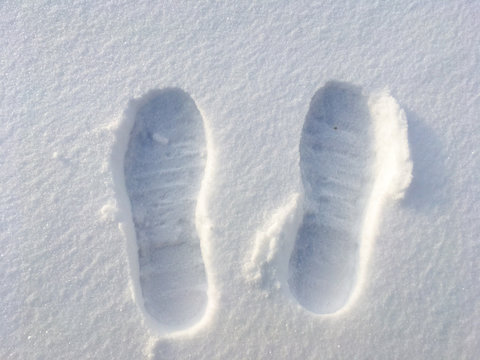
(164, 167)
(336, 160)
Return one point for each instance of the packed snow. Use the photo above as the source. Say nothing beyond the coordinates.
(240, 180)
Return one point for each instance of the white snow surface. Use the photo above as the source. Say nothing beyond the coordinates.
(70, 286)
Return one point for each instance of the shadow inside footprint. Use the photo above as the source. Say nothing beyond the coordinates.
(336, 161)
(164, 167)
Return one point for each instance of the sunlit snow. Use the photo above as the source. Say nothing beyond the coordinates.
(240, 180)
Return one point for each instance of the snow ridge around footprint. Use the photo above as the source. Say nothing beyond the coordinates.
(354, 156)
(353, 151)
(163, 167)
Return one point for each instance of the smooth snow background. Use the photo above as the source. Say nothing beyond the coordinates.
(68, 72)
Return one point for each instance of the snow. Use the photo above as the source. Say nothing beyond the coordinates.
(73, 75)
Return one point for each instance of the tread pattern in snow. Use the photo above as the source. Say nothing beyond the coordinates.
(164, 167)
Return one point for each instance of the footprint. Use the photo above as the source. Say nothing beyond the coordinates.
(164, 167)
(345, 177)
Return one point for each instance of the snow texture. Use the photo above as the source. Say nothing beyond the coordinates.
(279, 237)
